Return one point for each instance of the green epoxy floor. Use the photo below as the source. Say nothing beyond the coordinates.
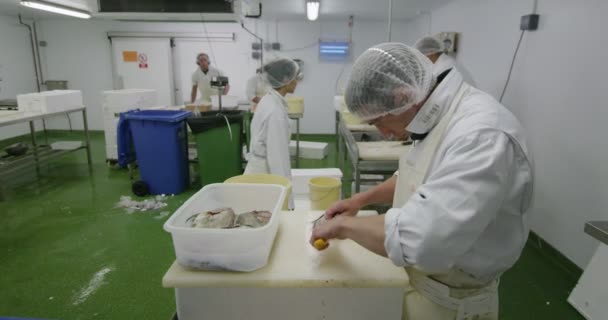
(60, 234)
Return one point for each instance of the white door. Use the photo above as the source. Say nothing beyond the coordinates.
(226, 56)
(144, 63)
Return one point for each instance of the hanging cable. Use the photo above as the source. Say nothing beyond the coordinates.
(208, 40)
(302, 48)
(504, 90)
(390, 19)
(521, 36)
(227, 124)
(259, 39)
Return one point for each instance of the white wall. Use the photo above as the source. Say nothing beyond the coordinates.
(16, 67)
(79, 51)
(558, 91)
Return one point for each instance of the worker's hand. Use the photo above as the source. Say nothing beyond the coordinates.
(255, 99)
(348, 207)
(327, 230)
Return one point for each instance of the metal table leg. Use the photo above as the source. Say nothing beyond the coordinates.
(34, 146)
(357, 179)
(298, 143)
(46, 136)
(337, 137)
(87, 140)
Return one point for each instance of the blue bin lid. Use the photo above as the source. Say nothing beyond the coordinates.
(158, 115)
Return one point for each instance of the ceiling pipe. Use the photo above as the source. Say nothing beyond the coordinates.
(33, 51)
(390, 19)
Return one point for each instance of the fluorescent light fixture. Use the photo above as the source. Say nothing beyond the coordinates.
(334, 50)
(312, 9)
(56, 8)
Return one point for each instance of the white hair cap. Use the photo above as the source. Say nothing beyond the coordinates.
(429, 45)
(280, 72)
(388, 78)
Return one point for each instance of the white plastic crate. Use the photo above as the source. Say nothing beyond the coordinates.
(226, 249)
(309, 150)
(301, 177)
(50, 101)
(128, 99)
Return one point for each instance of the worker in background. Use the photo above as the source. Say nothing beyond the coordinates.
(201, 79)
(256, 88)
(460, 201)
(270, 132)
(434, 49)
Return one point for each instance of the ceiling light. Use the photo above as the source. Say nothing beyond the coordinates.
(312, 9)
(56, 8)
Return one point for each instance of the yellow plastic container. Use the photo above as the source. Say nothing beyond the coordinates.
(295, 105)
(349, 118)
(324, 191)
(263, 178)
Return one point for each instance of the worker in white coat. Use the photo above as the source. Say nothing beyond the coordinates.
(257, 87)
(201, 79)
(434, 49)
(460, 201)
(270, 131)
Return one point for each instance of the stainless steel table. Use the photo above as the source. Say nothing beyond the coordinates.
(598, 230)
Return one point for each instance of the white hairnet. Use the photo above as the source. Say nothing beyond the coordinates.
(280, 72)
(388, 78)
(429, 45)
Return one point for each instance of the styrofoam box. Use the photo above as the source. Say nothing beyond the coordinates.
(226, 249)
(112, 152)
(301, 177)
(117, 101)
(309, 150)
(128, 99)
(227, 101)
(50, 101)
(339, 103)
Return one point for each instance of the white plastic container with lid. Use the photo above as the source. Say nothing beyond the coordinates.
(226, 249)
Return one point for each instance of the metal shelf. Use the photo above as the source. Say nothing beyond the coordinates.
(30, 159)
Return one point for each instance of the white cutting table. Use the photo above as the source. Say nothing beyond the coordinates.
(346, 282)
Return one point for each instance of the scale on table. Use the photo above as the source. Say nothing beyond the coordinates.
(219, 82)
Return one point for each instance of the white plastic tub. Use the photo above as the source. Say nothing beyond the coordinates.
(226, 249)
(309, 149)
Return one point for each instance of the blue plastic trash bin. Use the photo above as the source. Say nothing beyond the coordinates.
(161, 149)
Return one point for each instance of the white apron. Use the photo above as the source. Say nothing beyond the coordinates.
(428, 298)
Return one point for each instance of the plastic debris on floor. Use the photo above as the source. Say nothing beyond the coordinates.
(162, 215)
(151, 204)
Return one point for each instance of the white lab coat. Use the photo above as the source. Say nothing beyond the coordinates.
(270, 135)
(256, 87)
(446, 62)
(469, 216)
(203, 82)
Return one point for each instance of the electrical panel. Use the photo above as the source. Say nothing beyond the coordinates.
(450, 41)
